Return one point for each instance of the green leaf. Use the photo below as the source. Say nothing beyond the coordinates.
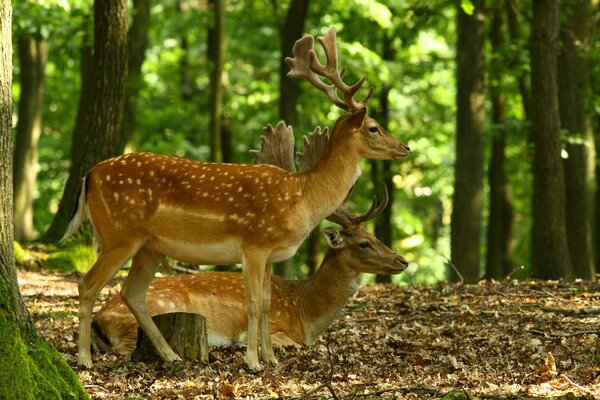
(467, 6)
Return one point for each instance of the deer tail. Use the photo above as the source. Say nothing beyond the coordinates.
(79, 212)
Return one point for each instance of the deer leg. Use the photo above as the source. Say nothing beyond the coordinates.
(144, 265)
(106, 266)
(266, 347)
(253, 272)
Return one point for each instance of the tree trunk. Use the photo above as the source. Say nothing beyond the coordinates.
(137, 41)
(384, 229)
(516, 37)
(29, 367)
(550, 255)
(104, 116)
(216, 61)
(184, 332)
(499, 235)
(33, 55)
(470, 124)
(574, 104)
(290, 31)
(289, 91)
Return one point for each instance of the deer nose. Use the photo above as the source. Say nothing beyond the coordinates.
(406, 147)
(400, 260)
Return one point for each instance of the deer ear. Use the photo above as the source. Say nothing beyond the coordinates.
(356, 118)
(334, 238)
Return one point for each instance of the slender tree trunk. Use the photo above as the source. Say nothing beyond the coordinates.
(29, 367)
(580, 180)
(33, 55)
(137, 41)
(291, 30)
(289, 91)
(549, 250)
(384, 228)
(500, 215)
(216, 61)
(516, 37)
(470, 124)
(186, 79)
(104, 116)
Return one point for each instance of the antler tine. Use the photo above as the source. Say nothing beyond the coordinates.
(345, 218)
(305, 64)
(375, 208)
(300, 66)
(330, 71)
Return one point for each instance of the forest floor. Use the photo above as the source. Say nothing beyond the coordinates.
(491, 340)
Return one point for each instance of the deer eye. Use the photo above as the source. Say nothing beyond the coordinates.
(364, 245)
(373, 129)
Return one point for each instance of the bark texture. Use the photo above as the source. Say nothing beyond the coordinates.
(216, 60)
(499, 234)
(137, 41)
(29, 367)
(575, 107)
(33, 54)
(470, 122)
(184, 332)
(102, 121)
(549, 248)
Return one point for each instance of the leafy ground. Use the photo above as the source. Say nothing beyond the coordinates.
(509, 340)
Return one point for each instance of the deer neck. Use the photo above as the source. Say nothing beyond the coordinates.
(325, 293)
(327, 184)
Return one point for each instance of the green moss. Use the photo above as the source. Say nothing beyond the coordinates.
(29, 367)
(20, 254)
(75, 256)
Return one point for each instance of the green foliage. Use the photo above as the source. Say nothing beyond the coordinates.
(75, 256)
(173, 107)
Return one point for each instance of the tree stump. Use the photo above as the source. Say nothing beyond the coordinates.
(184, 332)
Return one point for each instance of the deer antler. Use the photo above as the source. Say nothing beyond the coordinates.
(305, 64)
(344, 217)
(314, 145)
(277, 147)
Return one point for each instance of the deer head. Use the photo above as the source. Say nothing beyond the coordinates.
(364, 132)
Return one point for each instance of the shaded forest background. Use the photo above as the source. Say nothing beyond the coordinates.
(498, 100)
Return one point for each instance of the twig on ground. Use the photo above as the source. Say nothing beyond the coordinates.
(583, 312)
(462, 280)
(562, 334)
(577, 386)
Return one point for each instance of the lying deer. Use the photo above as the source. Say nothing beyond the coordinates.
(300, 310)
(144, 206)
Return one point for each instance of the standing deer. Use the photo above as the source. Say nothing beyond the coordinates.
(300, 310)
(144, 206)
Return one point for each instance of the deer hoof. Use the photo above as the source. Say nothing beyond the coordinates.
(253, 364)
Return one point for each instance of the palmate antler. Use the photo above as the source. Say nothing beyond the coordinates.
(276, 147)
(305, 64)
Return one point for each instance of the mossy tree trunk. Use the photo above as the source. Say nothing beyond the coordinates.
(29, 367)
(103, 120)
